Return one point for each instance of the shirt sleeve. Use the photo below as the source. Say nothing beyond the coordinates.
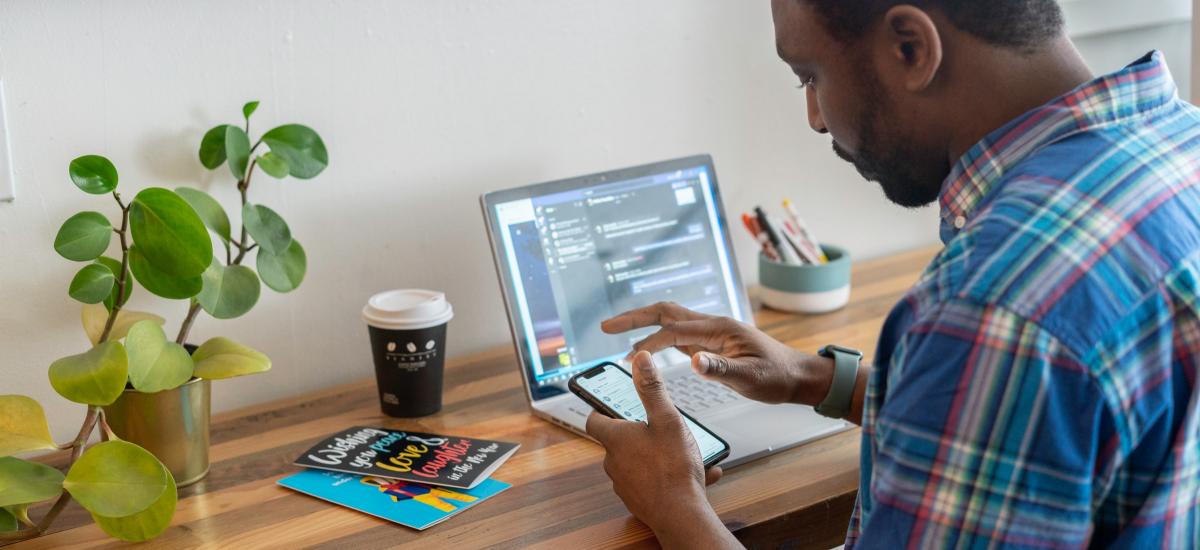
(984, 434)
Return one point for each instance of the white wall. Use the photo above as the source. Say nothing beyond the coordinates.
(424, 105)
(1112, 33)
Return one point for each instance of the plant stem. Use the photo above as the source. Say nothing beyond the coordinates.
(106, 432)
(244, 185)
(123, 232)
(85, 431)
(193, 310)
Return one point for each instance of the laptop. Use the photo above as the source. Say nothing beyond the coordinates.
(574, 252)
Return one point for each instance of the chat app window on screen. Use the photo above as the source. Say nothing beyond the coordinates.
(582, 256)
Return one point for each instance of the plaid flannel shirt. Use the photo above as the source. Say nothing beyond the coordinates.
(1037, 387)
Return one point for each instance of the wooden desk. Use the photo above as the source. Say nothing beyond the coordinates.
(560, 496)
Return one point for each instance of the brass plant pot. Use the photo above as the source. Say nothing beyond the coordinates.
(171, 424)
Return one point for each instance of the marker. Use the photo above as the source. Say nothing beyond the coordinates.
(756, 232)
(793, 237)
(803, 229)
(767, 246)
(804, 247)
(785, 252)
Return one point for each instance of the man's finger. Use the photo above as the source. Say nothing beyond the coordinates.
(601, 427)
(712, 475)
(652, 390)
(655, 315)
(701, 333)
(721, 368)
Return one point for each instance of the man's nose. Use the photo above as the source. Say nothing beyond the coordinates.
(814, 112)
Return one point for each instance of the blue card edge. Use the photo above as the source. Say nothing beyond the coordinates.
(422, 527)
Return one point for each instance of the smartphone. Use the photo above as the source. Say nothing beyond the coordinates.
(609, 389)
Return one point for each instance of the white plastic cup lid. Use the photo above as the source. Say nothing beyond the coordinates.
(407, 309)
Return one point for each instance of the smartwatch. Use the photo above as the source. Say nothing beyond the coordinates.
(845, 371)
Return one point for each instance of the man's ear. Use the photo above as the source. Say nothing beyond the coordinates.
(914, 46)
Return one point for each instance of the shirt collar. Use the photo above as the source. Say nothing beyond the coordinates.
(1141, 87)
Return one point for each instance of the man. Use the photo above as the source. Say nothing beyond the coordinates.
(1037, 387)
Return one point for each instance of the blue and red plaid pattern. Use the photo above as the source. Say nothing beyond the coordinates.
(1037, 387)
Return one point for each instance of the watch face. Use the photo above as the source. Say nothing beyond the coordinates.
(828, 351)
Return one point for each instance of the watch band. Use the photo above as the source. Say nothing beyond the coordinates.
(845, 372)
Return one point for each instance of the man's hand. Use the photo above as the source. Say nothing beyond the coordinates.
(732, 353)
(656, 470)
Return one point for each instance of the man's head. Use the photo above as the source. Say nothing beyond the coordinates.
(890, 80)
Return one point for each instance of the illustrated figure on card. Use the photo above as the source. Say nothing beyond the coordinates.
(427, 495)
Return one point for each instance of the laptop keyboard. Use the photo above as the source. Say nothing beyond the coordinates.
(694, 394)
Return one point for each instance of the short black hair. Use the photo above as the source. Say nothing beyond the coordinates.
(1019, 24)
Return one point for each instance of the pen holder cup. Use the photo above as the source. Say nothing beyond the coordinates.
(806, 288)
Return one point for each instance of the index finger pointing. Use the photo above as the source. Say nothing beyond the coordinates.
(704, 334)
(658, 314)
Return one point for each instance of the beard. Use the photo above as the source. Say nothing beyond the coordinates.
(889, 162)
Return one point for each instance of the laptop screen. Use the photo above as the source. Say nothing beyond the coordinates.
(576, 252)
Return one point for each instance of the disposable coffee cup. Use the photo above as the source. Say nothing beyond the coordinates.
(408, 341)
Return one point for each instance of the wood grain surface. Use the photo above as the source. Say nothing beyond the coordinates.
(560, 498)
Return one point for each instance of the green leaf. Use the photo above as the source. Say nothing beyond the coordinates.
(170, 233)
(24, 482)
(83, 237)
(268, 228)
(96, 377)
(248, 109)
(223, 358)
(7, 521)
(94, 174)
(115, 267)
(212, 147)
(273, 165)
(155, 364)
(160, 283)
(237, 148)
(116, 479)
(208, 209)
(95, 316)
(283, 272)
(92, 284)
(229, 292)
(23, 426)
(148, 523)
(300, 147)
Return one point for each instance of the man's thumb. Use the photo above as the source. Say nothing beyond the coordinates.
(717, 367)
(651, 388)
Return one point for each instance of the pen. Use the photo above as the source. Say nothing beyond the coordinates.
(803, 248)
(786, 253)
(803, 230)
(757, 233)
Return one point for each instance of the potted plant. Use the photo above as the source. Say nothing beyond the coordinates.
(148, 395)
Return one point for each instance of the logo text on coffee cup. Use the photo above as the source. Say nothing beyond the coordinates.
(411, 356)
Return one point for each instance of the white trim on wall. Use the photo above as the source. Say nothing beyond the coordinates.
(1091, 17)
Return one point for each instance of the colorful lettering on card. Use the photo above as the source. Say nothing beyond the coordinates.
(445, 460)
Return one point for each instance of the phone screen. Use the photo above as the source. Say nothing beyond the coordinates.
(614, 387)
